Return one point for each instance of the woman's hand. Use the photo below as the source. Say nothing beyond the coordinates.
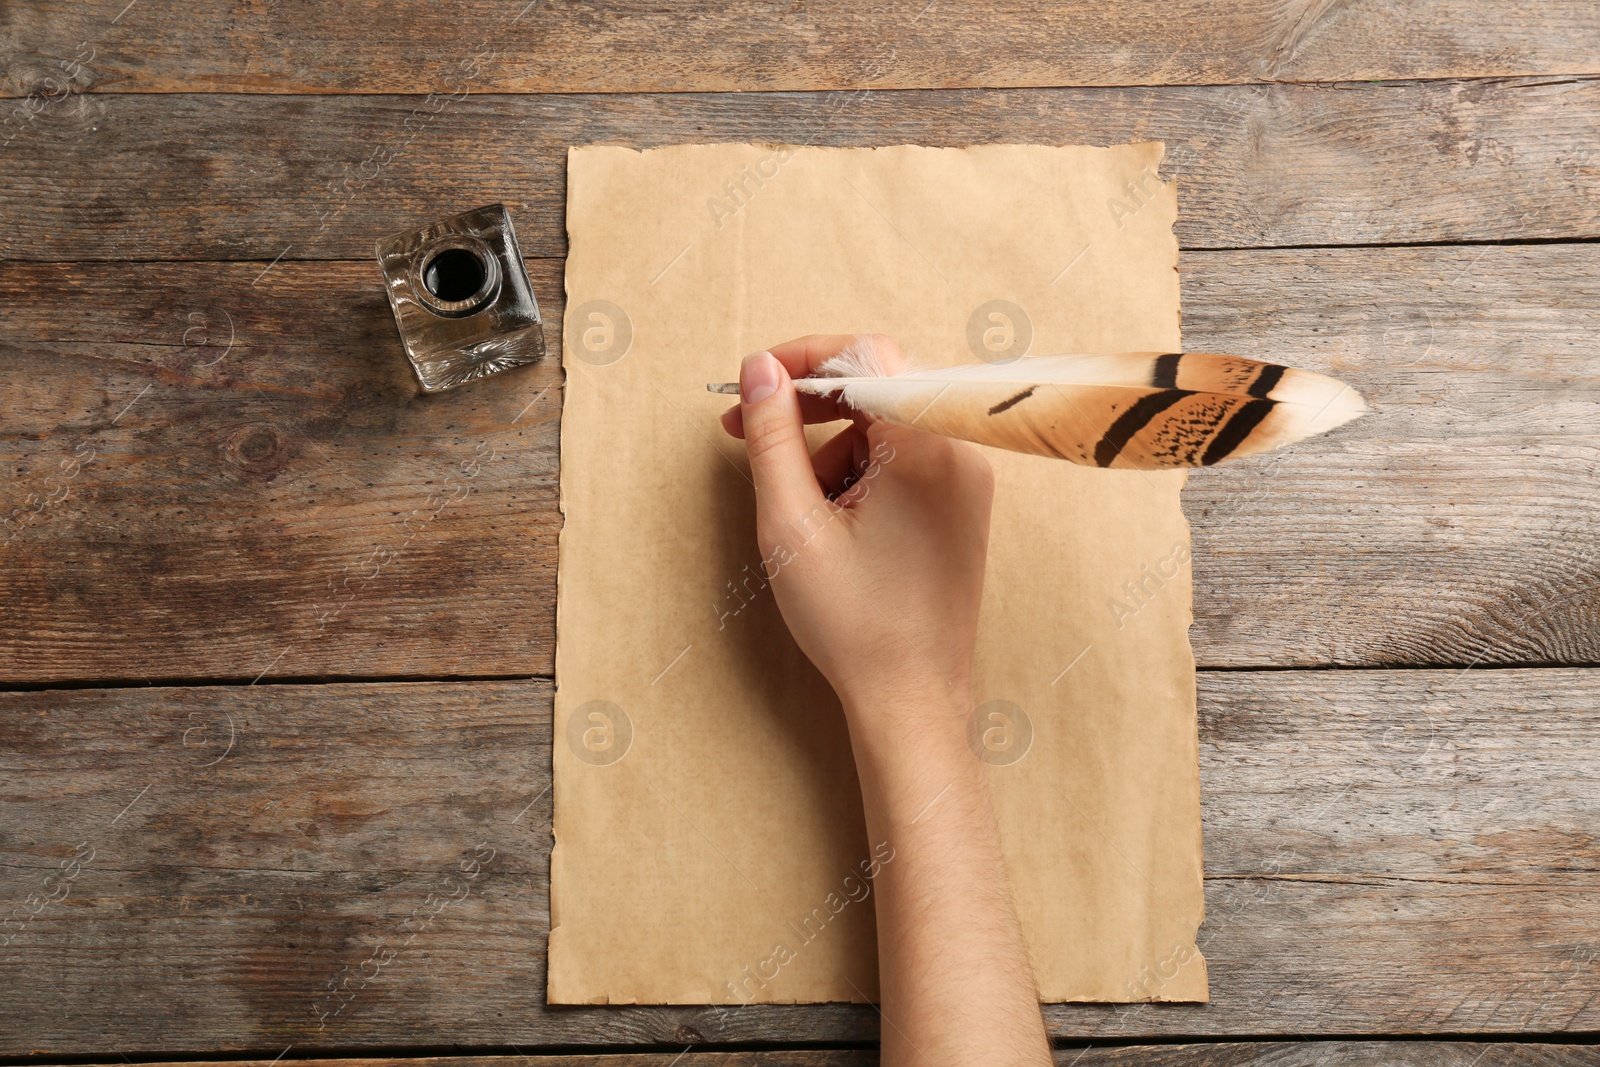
(875, 549)
(875, 546)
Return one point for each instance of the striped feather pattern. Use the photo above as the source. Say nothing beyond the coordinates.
(1146, 410)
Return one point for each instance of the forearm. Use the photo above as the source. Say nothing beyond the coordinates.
(954, 973)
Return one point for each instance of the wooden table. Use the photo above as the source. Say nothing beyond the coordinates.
(275, 666)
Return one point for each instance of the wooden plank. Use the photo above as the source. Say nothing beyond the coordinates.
(415, 47)
(1220, 1054)
(270, 506)
(231, 177)
(287, 504)
(1386, 852)
(1456, 523)
(1336, 1054)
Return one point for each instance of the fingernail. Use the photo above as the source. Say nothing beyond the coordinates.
(758, 377)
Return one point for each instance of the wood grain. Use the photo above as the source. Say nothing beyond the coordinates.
(290, 505)
(210, 177)
(1386, 852)
(221, 470)
(416, 47)
(260, 487)
(1221, 1054)
(1335, 1054)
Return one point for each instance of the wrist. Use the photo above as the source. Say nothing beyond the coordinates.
(910, 776)
(896, 730)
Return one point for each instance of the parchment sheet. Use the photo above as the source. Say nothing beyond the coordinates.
(710, 846)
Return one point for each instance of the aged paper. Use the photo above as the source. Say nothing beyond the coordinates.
(710, 846)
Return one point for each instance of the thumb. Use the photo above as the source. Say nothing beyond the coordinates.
(774, 434)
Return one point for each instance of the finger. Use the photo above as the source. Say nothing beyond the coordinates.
(800, 357)
(813, 409)
(835, 463)
(844, 456)
(871, 453)
(804, 355)
(780, 462)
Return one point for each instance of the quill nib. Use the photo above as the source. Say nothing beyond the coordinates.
(731, 388)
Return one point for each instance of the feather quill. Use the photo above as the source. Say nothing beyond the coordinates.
(1144, 410)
